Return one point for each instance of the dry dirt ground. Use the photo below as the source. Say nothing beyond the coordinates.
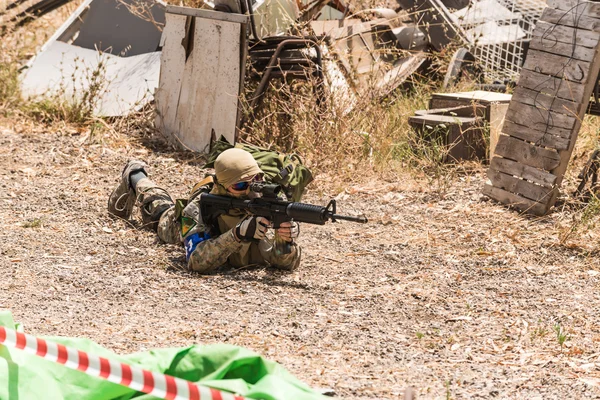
(448, 293)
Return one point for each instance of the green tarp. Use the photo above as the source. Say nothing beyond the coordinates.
(225, 367)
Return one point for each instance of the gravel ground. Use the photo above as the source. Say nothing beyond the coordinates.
(443, 291)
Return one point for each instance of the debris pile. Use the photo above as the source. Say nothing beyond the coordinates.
(496, 32)
(359, 53)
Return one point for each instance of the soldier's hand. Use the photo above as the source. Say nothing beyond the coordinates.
(252, 228)
(289, 231)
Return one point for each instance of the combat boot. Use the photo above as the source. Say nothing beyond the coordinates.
(122, 199)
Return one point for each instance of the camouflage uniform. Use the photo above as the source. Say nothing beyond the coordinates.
(205, 253)
(207, 247)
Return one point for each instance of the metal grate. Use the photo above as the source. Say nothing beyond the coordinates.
(499, 32)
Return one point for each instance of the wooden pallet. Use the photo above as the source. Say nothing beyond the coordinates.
(547, 107)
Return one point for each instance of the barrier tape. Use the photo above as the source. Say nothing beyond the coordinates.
(156, 384)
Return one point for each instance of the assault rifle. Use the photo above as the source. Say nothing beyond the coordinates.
(273, 208)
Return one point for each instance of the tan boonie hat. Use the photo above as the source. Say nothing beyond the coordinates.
(235, 165)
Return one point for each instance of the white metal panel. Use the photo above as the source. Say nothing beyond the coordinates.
(65, 70)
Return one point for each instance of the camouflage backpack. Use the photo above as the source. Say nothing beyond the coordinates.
(286, 170)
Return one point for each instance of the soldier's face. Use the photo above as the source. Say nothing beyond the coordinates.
(242, 188)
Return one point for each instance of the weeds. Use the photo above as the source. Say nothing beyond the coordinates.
(33, 223)
(79, 104)
(539, 332)
(374, 136)
(561, 335)
(9, 85)
(585, 220)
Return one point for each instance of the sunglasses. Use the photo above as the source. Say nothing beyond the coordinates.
(245, 184)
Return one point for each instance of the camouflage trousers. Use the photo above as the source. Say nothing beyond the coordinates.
(158, 211)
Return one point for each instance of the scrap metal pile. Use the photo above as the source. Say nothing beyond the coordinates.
(195, 64)
(356, 53)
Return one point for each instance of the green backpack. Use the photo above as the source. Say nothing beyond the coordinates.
(286, 170)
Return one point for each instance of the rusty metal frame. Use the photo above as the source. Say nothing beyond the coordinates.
(274, 63)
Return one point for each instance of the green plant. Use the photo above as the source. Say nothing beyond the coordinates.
(69, 103)
(540, 332)
(585, 220)
(420, 335)
(33, 223)
(561, 335)
(9, 85)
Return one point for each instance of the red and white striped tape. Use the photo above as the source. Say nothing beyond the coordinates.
(156, 384)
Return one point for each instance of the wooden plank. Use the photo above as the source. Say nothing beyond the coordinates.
(208, 14)
(544, 139)
(513, 200)
(538, 118)
(594, 69)
(511, 167)
(464, 111)
(559, 132)
(172, 64)
(570, 18)
(553, 86)
(210, 85)
(524, 188)
(552, 46)
(587, 8)
(437, 119)
(545, 101)
(556, 132)
(566, 34)
(496, 116)
(557, 65)
(526, 153)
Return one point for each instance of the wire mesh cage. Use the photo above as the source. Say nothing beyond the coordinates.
(499, 32)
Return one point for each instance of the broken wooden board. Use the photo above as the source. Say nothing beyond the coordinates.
(548, 105)
(514, 200)
(550, 85)
(462, 137)
(202, 68)
(539, 138)
(527, 153)
(538, 118)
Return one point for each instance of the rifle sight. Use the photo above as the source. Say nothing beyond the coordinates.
(271, 190)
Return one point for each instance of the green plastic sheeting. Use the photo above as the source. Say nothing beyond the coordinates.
(225, 367)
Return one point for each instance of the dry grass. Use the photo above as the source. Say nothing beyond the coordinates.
(442, 290)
